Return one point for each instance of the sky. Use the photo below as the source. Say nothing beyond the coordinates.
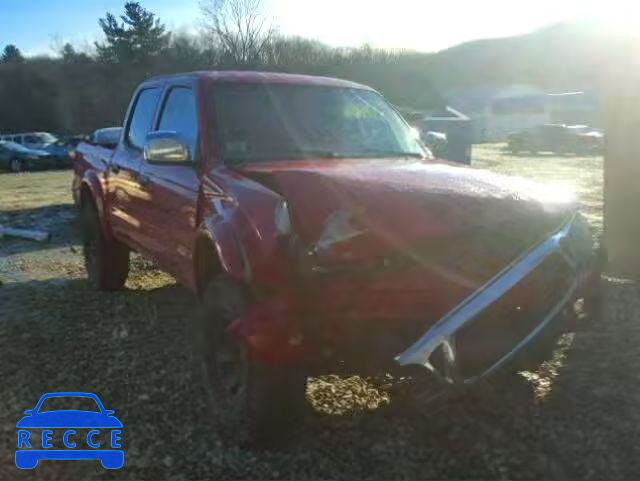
(425, 25)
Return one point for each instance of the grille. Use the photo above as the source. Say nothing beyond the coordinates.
(496, 331)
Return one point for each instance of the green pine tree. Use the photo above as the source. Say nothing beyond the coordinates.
(11, 54)
(138, 36)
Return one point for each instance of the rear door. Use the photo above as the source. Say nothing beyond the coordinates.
(171, 191)
(125, 197)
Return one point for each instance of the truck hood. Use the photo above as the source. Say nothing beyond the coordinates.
(466, 221)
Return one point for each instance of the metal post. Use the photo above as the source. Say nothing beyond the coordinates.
(622, 167)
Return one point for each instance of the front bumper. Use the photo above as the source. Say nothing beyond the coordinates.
(437, 349)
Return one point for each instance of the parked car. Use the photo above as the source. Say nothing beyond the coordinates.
(17, 158)
(72, 141)
(31, 140)
(60, 150)
(107, 136)
(557, 138)
(321, 237)
(436, 142)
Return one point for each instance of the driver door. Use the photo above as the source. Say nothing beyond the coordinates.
(171, 191)
(125, 195)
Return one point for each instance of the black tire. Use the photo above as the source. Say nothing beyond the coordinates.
(250, 402)
(106, 260)
(16, 165)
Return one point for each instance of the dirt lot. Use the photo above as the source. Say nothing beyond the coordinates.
(576, 417)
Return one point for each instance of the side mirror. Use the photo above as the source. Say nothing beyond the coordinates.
(29, 411)
(166, 148)
(109, 412)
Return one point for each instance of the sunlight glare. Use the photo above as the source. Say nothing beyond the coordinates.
(617, 16)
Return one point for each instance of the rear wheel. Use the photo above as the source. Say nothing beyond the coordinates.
(254, 403)
(16, 165)
(106, 260)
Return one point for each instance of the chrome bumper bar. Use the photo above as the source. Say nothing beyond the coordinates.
(442, 334)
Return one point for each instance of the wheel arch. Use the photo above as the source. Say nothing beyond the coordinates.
(86, 195)
(207, 262)
(91, 191)
(217, 251)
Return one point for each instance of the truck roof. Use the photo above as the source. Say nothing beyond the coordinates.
(256, 77)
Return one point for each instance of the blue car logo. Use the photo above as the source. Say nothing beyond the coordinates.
(102, 438)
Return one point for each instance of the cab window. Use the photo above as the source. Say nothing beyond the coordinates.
(179, 114)
(142, 117)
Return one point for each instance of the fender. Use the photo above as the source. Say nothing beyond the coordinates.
(95, 185)
(231, 254)
(244, 237)
(270, 328)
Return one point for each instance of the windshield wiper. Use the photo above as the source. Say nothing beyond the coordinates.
(319, 153)
(292, 155)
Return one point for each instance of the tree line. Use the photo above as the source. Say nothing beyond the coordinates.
(77, 91)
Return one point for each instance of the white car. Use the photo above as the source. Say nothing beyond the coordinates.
(31, 140)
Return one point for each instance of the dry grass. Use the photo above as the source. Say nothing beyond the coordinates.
(34, 189)
(583, 175)
(574, 418)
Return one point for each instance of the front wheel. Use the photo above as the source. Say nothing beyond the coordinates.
(16, 165)
(258, 403)
(106, 260)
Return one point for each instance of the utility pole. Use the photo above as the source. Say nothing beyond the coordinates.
(622, 165)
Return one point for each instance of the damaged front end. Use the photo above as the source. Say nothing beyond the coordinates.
(489, 328)
(408, 268)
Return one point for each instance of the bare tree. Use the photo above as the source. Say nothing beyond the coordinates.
(239, 28)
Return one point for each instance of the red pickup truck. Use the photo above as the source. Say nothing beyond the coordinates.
(320, 235)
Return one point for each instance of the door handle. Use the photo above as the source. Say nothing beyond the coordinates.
(143, 180)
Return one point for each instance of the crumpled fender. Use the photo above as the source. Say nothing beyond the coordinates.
(241, 226)
(228, 247)
(270, 328)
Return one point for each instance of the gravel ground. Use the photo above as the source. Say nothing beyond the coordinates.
(576, 417)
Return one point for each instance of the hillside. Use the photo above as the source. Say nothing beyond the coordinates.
(564, 56)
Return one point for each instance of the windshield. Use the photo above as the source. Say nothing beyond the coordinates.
(15, 147)
(284, 122)
(69, 403)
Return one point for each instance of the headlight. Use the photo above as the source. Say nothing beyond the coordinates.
(282, 219)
